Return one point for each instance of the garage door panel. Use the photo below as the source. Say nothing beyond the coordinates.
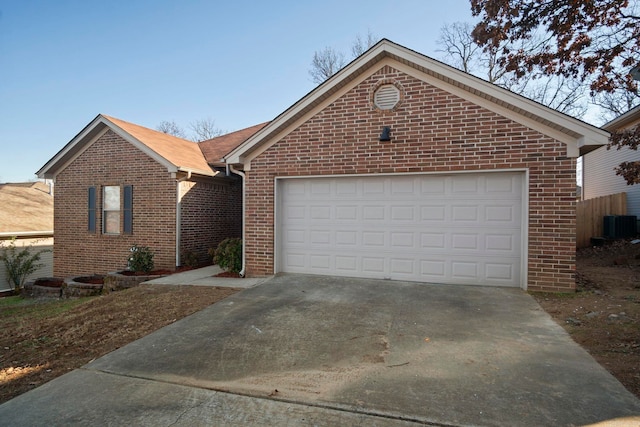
(434, 228)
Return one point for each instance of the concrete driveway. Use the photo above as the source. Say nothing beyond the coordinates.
(309, 350)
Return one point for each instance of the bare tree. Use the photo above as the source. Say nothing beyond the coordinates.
(361, 45)
(328, 61)
(461, 51)
(171, 128)
(204, 129)
(459, 48)
(616, 103)
(325, 64)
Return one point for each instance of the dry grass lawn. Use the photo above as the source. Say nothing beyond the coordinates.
(41, 340)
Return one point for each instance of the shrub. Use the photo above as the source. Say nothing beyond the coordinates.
(190, 259)
(141, 259)
(228, 254)
(20, 263)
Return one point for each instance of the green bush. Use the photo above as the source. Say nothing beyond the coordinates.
(20, 263)
(141, 259)
(228, 254)
(190, 259)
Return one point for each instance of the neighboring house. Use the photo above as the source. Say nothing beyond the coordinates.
(26, 212)
(401, 167)
(119, 184)
(598, 171)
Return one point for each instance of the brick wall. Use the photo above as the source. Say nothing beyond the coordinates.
(211, 211)
(112, 161)
(432, 130)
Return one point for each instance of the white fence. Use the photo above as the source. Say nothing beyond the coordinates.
(39, 240)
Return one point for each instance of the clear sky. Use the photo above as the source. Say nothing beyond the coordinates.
(238, 62)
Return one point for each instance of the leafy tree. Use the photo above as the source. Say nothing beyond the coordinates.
(20, 263)
(597, 41)
(594, 41)
(328, 61)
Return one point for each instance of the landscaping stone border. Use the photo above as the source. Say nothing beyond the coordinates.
(117, 281)
(31, 290)
(73, 289)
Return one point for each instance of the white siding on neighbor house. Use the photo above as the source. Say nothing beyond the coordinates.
(599, 177)
(46, 259)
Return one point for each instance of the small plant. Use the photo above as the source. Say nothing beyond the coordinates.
(228, 254)
(190, 259)
(141, 259)
(20, 262)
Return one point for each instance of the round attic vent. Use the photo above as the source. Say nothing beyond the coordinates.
(386, 97)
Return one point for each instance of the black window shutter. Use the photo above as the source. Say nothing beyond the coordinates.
(92, 210)
(128, 209)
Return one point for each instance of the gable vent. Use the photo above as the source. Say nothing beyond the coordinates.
(386, 97)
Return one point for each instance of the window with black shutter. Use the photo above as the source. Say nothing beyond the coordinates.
(128, 209)
(92, 210)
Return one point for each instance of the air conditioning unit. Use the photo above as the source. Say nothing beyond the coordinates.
(619, 226)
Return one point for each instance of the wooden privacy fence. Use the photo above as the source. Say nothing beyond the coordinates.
(590, 213)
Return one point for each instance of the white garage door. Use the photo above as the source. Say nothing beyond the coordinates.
(460, 228)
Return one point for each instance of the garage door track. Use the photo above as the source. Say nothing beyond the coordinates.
(312, 350)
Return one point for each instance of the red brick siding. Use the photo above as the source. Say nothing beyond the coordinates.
(211, 211)
(112, 161)
(432, 130)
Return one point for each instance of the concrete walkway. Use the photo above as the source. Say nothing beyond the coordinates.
(205, 276)
(326, 351)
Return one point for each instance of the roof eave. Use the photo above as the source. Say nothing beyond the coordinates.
(98, 125)
(623, 120)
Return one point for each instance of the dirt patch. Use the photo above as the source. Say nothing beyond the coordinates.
(41, 340)
(603, 315)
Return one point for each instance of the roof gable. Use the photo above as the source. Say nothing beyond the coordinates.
(578, 136)
(176, 154)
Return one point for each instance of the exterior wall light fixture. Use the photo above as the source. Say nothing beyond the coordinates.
(386, 134)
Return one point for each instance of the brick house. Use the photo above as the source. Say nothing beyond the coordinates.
(404, 168)
(119, 184)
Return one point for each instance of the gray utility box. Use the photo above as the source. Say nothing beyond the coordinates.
(619, 226)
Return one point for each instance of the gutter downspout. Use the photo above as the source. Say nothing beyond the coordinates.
(178, 215)
(243, 176)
